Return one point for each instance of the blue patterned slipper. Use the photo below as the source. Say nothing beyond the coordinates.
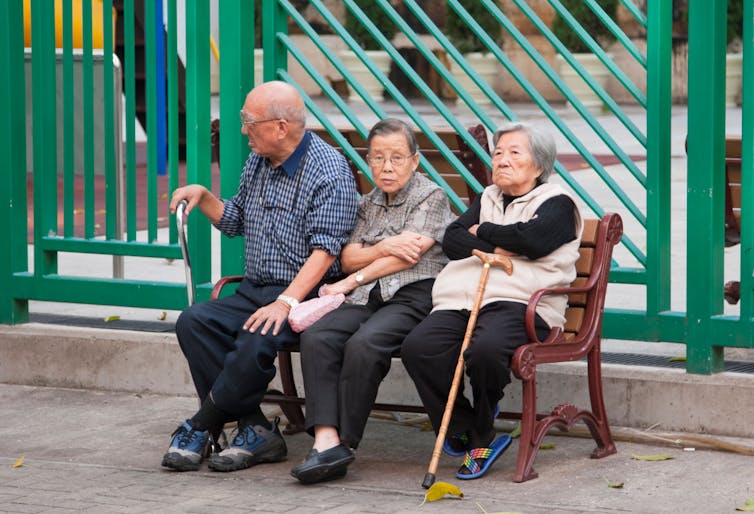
(458, 444)
(479, 460)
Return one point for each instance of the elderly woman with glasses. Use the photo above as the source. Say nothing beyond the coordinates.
(391, 259)
(538, 225)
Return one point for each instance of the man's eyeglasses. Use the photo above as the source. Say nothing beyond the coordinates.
(248, 121)
(378, 161)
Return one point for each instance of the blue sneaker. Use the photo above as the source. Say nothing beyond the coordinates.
(252, 445)
(187, 449)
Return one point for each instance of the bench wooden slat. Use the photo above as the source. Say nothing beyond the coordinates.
(574, 318)
(584, 264)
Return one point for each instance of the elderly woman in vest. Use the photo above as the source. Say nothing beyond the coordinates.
(392, 259)
(539, 226)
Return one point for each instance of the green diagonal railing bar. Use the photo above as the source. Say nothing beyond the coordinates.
(561, 49)
(621, 37)
(596, 50)
(558, 82)
(632, 8)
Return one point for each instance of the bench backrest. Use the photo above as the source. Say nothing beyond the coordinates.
(451, 139)
(592, 271)
(577, 302)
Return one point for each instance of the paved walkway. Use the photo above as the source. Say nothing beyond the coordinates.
(100, 452)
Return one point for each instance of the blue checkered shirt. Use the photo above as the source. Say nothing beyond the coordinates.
(308, 202)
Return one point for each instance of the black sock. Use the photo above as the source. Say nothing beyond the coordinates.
(255, 418)
(209, 417)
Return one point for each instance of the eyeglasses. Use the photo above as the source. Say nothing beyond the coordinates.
(397, 161)
(248, 121)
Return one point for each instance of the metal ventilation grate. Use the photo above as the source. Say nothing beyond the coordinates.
(664, 361)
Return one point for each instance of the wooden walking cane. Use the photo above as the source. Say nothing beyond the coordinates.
(488, 259)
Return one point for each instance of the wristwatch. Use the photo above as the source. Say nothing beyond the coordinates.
(291, 301)
(359, 278)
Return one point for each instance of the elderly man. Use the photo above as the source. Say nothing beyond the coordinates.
(295, 207)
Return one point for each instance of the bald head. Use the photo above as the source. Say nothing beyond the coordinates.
(281, 101)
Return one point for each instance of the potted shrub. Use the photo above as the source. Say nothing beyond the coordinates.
(370, 45)
(474, 51)
(573, 43)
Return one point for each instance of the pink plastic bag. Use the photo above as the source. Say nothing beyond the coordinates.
(306, 313)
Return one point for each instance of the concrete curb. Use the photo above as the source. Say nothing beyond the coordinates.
(145, 362)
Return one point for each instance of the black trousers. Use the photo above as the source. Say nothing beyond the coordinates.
(233, 363)
(430, 354)
(346, 354)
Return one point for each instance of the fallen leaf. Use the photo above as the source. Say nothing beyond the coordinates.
(163, 196)
(677, 359)
(547, 446)
(111, 318)
(78, 211)
(661, 456)
(440, 490)
(427, 427)
(516, 432)
(615, 485)
(747, 507)
(19, 462)
(162, 315)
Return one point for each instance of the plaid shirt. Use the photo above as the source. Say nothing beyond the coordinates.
(421, 207)
(308, 202)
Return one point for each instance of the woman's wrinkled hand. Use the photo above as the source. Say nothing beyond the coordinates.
(344, 286)
(406, 246)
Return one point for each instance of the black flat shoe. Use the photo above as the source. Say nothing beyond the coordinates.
(322, 466)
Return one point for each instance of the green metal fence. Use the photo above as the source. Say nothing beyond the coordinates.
(642, 262)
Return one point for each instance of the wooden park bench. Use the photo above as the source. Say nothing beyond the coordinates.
(580, 338)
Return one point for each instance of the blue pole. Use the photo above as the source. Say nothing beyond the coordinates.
(160, 81)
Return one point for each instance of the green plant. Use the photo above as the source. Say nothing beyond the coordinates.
(591, 23)
(735, 20)
(360, 33)
(461, 35)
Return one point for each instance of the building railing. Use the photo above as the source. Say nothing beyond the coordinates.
(123, 209)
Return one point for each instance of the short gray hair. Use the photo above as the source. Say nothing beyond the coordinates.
(394, 126)
(541, 145)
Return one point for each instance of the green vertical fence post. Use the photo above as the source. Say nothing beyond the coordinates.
(274, 20)
(236, 24)
(658, 162)
(705, 188)
(198, 131)
(153, 141)
(12, 159)
(45, 142)
(747, 171)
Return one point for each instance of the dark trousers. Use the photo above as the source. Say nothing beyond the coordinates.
(347, 353)
(233, 363)
(430, 354)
